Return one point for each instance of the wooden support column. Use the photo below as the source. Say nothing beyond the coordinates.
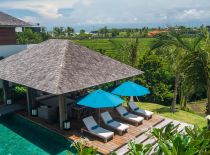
(62, 109)
(30, 100)
(5, 85)
(116, 83)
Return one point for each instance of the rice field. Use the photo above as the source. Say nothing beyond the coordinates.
(107, 47)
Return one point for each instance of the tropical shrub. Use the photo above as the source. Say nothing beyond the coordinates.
(139, 149)
(194, 141)
(157, 78)
(19, 92)
(80, 146)
(165, 133)
(30, 37)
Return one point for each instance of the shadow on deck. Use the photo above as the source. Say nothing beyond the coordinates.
(6, 109)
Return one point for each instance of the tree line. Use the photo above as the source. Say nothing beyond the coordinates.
(69, 33)
(176, 67)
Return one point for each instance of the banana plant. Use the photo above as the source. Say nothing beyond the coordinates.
(165, 133)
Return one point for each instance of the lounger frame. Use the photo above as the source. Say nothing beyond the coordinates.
(92, 133)
(120, 132)
(87, 126)
(140, 114)
(130, 120)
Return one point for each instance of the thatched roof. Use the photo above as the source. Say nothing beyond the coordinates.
(60, 66)
(10, 21)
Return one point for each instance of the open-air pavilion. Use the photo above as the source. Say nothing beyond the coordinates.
(56, 72)
(59, 67)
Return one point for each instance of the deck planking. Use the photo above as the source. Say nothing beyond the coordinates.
(103, 148)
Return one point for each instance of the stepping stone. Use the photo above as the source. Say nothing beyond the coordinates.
(163, 124)
(141, 138)
(146, 137)
(181, 127)
(151, 140)
(125, 148)
(153, 149)
(175, 123)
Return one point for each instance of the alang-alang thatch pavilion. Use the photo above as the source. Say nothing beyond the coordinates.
(59, 67)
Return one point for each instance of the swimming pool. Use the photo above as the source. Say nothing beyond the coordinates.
(19, 136)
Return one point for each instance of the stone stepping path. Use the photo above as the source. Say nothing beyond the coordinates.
(146, 138)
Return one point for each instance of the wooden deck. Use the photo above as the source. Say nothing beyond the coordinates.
(104, 148)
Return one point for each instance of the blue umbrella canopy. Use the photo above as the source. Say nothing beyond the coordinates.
(130, 89)
(100, 99)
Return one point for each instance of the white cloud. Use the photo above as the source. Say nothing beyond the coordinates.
(87, 2)
(29, 19)
(45, 8)
(48, 11)
(135, 18)
(81, 12)
(190, 14)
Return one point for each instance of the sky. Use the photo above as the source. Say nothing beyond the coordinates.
(91, 14)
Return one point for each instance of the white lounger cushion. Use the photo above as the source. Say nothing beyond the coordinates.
(106, 117)
(134, 117)
(103, 133)
(121, 110)
(135, 108)
(99, 131)
(89, 122)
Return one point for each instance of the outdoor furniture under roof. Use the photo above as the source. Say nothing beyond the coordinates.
(10, 21)
(60, 66)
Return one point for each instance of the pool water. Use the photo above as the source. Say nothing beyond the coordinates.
(19, 136)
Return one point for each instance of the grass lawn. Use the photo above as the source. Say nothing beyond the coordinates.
(180, 115)
(198, 107)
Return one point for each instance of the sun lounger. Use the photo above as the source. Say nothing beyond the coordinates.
(94, 129)
(128, 116)
(145, 113)
(115, 125)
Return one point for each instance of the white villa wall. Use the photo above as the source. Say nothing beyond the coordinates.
(7, 50)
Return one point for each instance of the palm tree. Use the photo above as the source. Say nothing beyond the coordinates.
(132, 47)
(196, 64)
(191, 62)
(58, 32)
(173, 48)
(69, 31)
(126, 52)
(104, 31)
